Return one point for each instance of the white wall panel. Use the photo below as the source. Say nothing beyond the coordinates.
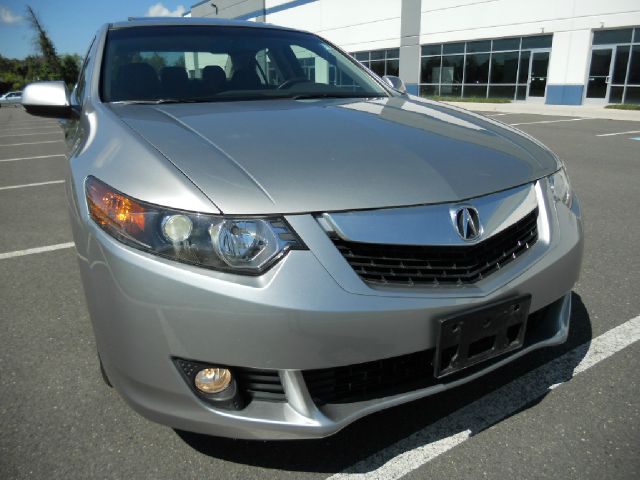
(570, 57)
(353, 24)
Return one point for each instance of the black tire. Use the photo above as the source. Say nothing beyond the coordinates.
(105, 377)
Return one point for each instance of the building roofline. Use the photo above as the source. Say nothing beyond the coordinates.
(148, 21)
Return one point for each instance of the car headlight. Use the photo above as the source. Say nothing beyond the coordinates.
(247, 245)
(561, 188)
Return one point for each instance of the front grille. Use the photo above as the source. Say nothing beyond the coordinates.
(260, 384)
(411, 265)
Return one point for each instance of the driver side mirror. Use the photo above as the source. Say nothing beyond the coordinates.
(395, 83)
(47, 99)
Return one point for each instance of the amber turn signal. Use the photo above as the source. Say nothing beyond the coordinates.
(111, 209)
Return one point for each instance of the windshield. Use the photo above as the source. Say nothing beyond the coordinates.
(158, 64)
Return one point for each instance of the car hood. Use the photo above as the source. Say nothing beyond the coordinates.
(292, 156)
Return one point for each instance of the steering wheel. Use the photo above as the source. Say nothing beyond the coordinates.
(292, 81)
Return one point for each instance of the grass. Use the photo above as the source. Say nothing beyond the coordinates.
(624, 106)
(468, 99)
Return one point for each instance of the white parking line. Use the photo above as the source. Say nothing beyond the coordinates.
(28, 124)
(550, 121)
(30, 158)
(11, 187)
(423, 446)
(32, 143)
(497, 114)
(44, 125)
(617, 133)
(30, 251)
(29, 134)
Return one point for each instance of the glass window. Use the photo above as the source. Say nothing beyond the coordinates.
(620, 65)
(475, 91)
(450, 90)
(504, 67)
(81, 83)
(481, 46)
(615, 95)
(523, 76)
(430, 70)
(452, 68)
(453, 48)
(377, 55)
(636, 35)
(431, 49)
(476, 68)
(634, 68)
(428, 90)
(632, 95)
(393, 68)
(378, 67)
(502, 91)
(506, 44)
(362, 56)
(540, 41)
(603, 37)
(393, 53)
(521, 92)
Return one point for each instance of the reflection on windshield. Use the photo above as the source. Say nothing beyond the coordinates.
(195, 63)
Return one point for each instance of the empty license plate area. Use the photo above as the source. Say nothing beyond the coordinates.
(481, 334)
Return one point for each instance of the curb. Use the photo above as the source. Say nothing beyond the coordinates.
(552, 110)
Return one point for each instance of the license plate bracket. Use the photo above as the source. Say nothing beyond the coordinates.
(477, 335)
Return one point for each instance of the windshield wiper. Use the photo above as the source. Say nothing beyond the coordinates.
(305, 96)
(159, 101)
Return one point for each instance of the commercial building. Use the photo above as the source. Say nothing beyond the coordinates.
(566, 52)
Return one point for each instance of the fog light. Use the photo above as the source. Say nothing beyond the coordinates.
(177, 228)
(212, 380)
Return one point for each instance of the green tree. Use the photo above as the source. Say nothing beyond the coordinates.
(70, 65)
(51, 68)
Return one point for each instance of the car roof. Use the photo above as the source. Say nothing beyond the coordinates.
(167, 21)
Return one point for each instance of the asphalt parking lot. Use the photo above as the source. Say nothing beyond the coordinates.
(566, 412)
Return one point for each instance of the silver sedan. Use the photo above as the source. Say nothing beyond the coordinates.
(274, 242)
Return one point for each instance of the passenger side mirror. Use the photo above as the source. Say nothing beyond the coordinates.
(47, 99)
(395, 83)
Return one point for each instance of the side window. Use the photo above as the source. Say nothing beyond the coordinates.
(82, 77)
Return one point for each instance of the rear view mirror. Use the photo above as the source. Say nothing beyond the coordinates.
(47, 99)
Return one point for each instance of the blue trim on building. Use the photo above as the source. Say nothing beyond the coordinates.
(276, 9)
(200, 3)
(412, 88)
(564, 94)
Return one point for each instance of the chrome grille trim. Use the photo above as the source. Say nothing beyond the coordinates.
(411, 265)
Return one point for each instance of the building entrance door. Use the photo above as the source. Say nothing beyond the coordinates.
(599, 81)
(538, 73)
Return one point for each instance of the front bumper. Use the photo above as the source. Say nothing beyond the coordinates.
(308, 312)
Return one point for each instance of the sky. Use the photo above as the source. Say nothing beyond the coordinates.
(71, 24)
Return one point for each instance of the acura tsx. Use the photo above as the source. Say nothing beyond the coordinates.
(275, 242)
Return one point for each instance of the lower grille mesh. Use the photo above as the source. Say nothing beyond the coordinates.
(410, 265)
(260, 384)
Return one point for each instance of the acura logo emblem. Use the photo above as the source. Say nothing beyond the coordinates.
(468, 223)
